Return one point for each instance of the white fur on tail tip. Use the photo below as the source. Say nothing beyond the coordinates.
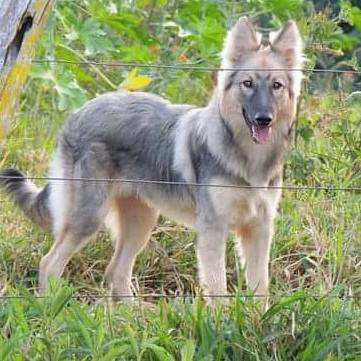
(32, 188)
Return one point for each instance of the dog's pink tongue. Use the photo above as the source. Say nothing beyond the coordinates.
(262, 134)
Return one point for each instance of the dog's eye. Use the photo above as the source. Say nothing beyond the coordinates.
(277, 85)
(247, 83)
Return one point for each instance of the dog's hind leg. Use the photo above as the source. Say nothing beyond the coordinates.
(131, 222)
(54, 262)
(78, 209)
(82, 222)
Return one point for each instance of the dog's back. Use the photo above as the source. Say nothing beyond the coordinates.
(136, 131)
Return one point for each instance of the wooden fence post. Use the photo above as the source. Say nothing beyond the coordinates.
(21, 24)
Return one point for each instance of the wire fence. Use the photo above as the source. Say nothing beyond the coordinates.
(191, 67)
(192, 297)
(188, 184)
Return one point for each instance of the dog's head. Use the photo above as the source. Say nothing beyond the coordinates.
(263, 96)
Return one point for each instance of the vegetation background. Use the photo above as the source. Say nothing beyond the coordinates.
(315, 309)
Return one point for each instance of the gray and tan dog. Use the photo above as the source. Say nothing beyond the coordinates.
(240, 138)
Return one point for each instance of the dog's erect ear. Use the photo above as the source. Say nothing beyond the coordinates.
(241, 39)
(288, 43)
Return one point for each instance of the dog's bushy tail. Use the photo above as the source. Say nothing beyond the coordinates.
(33, 201)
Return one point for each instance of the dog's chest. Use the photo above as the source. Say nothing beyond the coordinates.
(241, 206)
(249, 205)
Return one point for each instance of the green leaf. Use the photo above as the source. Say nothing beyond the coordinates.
(279, 306)
(161, 353)
(351, 14)
(9, 347)
(114, 352)
(306, 132)
(94, 38)
(188, 350)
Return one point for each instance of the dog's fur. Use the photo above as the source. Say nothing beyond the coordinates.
(143, 137)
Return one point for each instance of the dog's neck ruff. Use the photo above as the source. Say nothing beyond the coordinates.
(228, 130)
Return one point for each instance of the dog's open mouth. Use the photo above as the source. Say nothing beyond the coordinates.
(260, 134)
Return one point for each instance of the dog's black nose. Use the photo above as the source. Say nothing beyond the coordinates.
(263, 118)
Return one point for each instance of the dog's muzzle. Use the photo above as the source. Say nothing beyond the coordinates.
(261, 127)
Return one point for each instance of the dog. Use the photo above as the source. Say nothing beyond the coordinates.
(239, 139)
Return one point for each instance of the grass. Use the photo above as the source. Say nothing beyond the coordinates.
(60, 327)
(315, 311)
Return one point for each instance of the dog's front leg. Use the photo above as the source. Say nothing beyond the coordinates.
(255, 242)
(211, 261)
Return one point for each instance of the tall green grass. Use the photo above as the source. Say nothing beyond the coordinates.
(60, 327)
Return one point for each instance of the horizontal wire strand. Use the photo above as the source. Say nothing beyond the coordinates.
(188, 67)
(160, 295)
(190, 184)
